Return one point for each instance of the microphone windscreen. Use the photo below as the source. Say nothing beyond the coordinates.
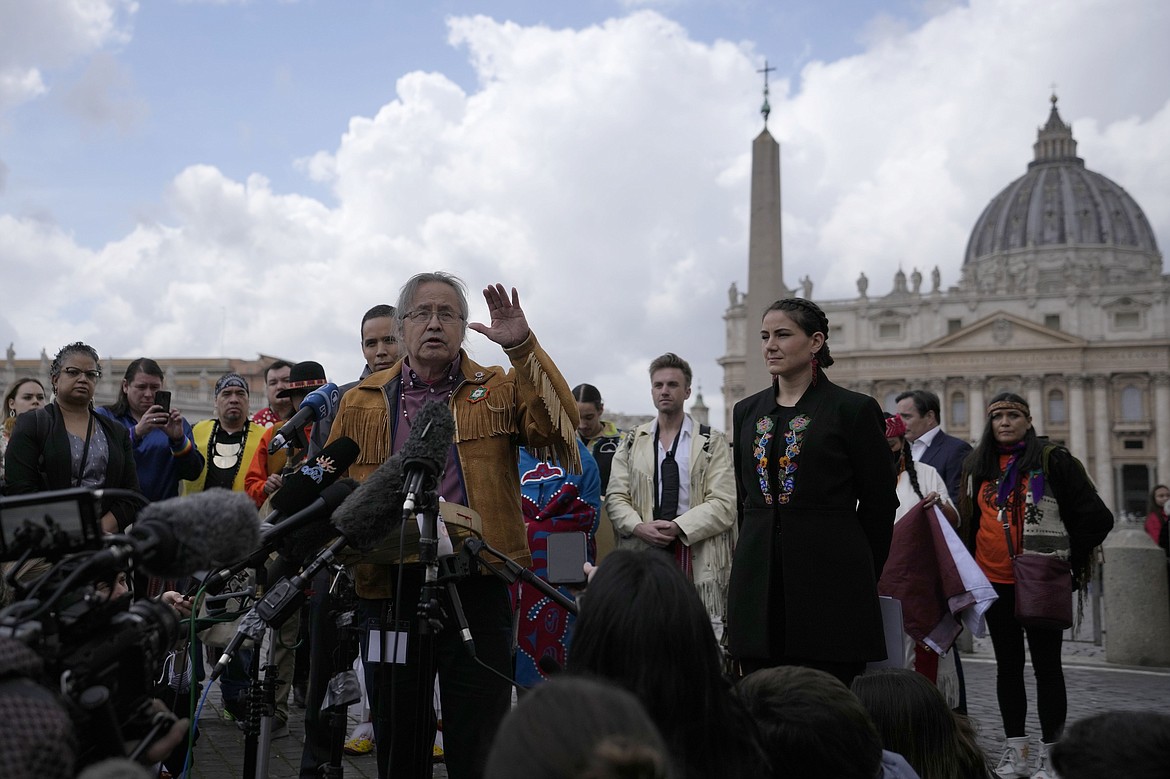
(305, 485)
(312, 536)
(374, 509)
(207, 528)
(431, 434)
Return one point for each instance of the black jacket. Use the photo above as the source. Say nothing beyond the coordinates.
(38, 459)
(830, 541)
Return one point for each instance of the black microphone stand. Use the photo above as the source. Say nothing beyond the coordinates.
(342, 602)
(430, 614)
(254, 696)
(282, 600)
(476, 548)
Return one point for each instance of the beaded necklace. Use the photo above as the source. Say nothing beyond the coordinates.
(211, 449)
(410, 379)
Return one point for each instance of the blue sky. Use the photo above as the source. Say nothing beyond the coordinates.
(254, 86)
(159, 158)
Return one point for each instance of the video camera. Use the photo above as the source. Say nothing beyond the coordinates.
(99, 654)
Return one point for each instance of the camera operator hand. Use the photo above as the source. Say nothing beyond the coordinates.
(179, 602)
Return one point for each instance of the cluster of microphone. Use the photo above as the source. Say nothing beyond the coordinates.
(181, 536)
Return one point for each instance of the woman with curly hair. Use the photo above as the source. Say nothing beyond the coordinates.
(68, 444)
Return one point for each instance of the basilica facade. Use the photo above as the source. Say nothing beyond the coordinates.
(1062, 300)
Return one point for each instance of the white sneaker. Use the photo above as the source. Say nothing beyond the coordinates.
(1044, 769)
(1014, 762)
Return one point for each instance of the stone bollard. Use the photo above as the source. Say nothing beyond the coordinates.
(1137, 604)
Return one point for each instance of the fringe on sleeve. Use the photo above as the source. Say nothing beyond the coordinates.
(564, 449)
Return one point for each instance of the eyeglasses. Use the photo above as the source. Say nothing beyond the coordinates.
(75, 373)
(423, 316)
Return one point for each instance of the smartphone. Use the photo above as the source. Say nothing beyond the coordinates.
(566, 559)
(163, 398)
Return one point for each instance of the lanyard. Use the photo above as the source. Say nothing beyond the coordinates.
(84, 453)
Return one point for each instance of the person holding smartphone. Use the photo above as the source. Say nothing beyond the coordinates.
(160, 438)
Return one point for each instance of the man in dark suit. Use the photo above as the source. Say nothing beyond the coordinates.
(919, 409)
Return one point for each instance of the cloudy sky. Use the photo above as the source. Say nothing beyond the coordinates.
(233, 177)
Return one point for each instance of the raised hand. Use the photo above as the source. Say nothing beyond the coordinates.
(509, 327)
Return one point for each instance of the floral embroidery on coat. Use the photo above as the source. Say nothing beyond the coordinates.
(786, 465)
(764, 427)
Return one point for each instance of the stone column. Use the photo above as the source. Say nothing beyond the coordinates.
(976, 411)
(1162, 426)
(1035, 401)
(1137, 624)
(1102, 442)
(1078, 440)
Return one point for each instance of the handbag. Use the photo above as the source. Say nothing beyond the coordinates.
(1043, 587)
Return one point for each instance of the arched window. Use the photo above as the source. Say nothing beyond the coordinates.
(959, 409)
(1057, 411)
(891, 403)
(1131, 404)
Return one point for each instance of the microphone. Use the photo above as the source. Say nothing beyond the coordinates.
(318, 404)
(424, 455)
(294, 538)
(305, 493)
(306, 484)
(250, 627)
(304, 532)
(371, 513)
(176, 537)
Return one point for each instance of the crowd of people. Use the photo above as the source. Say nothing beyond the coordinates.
(735, 621)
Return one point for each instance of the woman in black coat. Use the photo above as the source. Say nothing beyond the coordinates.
(67, 444)
(816, 509)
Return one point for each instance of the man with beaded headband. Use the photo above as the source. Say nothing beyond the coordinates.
(229, 441)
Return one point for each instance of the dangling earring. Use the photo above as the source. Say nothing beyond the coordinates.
(815, 364)
(11, 412)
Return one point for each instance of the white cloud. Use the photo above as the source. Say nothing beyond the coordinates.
(41, 36)
(603, 171)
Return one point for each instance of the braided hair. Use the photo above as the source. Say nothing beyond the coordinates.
(809, 317)
(908, 465)
(77, 347)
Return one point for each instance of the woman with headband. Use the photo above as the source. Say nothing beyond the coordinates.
(1038, 491)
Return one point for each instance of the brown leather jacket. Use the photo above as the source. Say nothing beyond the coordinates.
(529, 404)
